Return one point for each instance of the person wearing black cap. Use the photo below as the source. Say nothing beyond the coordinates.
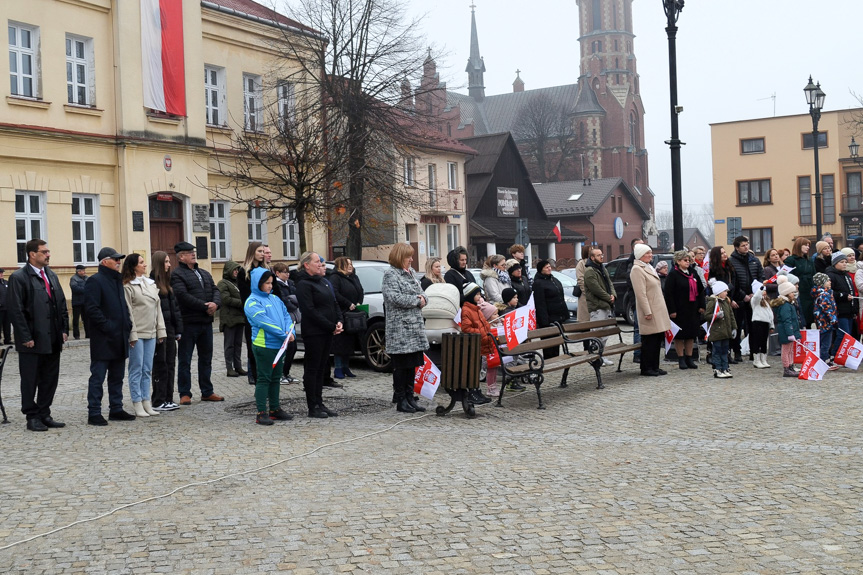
(843, 294)
(79, 312)
(109, 327)
(37, 308)
(198, 298)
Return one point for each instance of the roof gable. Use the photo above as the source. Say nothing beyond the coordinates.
(591, 194)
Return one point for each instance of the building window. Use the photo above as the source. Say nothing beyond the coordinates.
(804, 198)
(80, 87)
(290, 235)
(23, 61)
(633, 130)
(753, 192)
(597, 14)
(252, 103)
(752, 146)
(29, 220)
(257, 224)
(219, 242)
(214, 94)
(452, 175)
(453, 235)
(287, 103)
(807, 140)
(760, 239)
(854, 185)
(432, 246)
(619, 251)
(410, 171)
(85, 228)
(828, 199)
(432, 186)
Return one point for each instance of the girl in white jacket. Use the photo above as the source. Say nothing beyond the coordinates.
(762, 325)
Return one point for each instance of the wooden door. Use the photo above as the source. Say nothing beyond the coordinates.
(166, 226)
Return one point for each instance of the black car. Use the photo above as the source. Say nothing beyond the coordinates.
(624, 305)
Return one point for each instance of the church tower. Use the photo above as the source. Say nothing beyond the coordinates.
(608, 68)
(475, 64)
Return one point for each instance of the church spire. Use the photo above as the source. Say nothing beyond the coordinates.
(475, 64)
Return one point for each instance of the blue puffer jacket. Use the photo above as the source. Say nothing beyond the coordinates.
(271, 323)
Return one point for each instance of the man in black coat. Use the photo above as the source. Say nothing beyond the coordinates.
(746, 269)
(199, 300)
(79, 311)
(109, 327)
(5, 322)
(37, 308)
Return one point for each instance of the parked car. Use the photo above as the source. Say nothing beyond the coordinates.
(567, 282)
(373, 341)
(624, 305)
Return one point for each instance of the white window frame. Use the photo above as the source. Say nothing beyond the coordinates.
(214, 88)
(452, 175)
(27, 217)
(410, 171)
(290, 235)
(220, 231)
(80, 63)
(253, 97)
(432, 241)
(19, 54)
(81, 219)
(286, 95)
(453, 235)
(257, 217)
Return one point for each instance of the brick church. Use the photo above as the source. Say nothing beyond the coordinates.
(601, 136)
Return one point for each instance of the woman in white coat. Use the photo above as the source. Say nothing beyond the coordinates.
(653, 320)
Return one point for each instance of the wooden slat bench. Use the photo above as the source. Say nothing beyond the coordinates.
(535, 368)
(599, 329)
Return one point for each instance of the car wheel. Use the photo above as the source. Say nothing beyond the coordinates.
(629, 316)
(375, 347)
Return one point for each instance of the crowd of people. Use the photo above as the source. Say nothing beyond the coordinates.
(148, 326)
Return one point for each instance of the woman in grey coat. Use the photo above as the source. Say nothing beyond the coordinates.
(405, 329)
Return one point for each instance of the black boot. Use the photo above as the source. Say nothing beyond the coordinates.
(691, 362)
(681, 362)
(404, 406)
(412, 402)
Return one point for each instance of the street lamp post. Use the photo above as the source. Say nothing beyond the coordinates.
(815, 98)
(854, 150)
(672, 11)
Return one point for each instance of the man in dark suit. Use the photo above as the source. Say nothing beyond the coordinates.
(5, 321)
(198, 299)
(109, 328)
(37, 308)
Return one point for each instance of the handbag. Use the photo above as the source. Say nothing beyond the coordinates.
(576, 291)
(355, 322)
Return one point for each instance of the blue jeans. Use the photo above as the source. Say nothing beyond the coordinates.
(198, 335)
(98, 369)
(844, 325)
(720, 354)
(826, 338)
(141, 369)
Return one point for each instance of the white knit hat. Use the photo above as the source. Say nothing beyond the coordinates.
(787, 288)
(639, 250)
(719, 287)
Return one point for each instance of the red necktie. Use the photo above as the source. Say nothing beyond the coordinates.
(47, 285)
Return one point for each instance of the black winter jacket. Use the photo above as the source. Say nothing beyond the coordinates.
(455, 276)
(170, 312)
(108, 323)
(348, 289)
(34, 316)
(522, 288)
(842, 288)
(746, 268)
(317, 304)
(549, 299)
(193, 294)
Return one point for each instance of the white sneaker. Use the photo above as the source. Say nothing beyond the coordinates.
(284, 381)
(167, 406)
(606, 362)
(727, 373)
(163, 407)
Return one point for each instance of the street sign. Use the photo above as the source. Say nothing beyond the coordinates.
(734, 228)
(718, 221)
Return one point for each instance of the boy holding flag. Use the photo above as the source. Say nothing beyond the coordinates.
(722, 328)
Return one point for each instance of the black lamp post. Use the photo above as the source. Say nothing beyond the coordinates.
(854, 149)
(815, 98)
(672, 11)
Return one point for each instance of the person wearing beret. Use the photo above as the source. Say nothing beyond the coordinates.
(198, 299)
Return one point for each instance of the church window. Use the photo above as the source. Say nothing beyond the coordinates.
(594, 136)
(633, 130)
(597, 14)
(615, 45)
(595, 172)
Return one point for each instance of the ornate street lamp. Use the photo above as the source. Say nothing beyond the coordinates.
(672, 11)
(854, 149)
(815, 98)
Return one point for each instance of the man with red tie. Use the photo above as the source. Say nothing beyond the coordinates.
(37, 308)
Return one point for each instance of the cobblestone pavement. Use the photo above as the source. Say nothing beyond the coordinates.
(677, 475)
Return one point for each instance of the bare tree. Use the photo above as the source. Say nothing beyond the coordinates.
(546, 137)
(700, 217)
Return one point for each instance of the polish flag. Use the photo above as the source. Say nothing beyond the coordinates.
(162, 56)
(427, 378)
(810, 342)
(669, 336)
(813, 368)
(556, 230)
(850, 352)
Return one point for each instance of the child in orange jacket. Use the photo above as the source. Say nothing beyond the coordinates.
(473, 321)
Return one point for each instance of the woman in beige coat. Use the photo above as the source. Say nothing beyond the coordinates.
(653, 319)
(148, 326)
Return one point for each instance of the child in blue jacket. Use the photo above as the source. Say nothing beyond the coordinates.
(271, 324)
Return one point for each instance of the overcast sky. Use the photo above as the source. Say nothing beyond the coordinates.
(733, 56)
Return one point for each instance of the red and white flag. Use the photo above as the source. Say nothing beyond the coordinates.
(712, 319)
(556, 229)
(669, 336)
(810, 341)
(813, 369)
(531, 314)
(427, 378)
(457, 318)
(850, 352)
(162, 56)
(772, 279)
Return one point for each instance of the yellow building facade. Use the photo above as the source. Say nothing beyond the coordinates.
(85, 164)
(764, 174)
